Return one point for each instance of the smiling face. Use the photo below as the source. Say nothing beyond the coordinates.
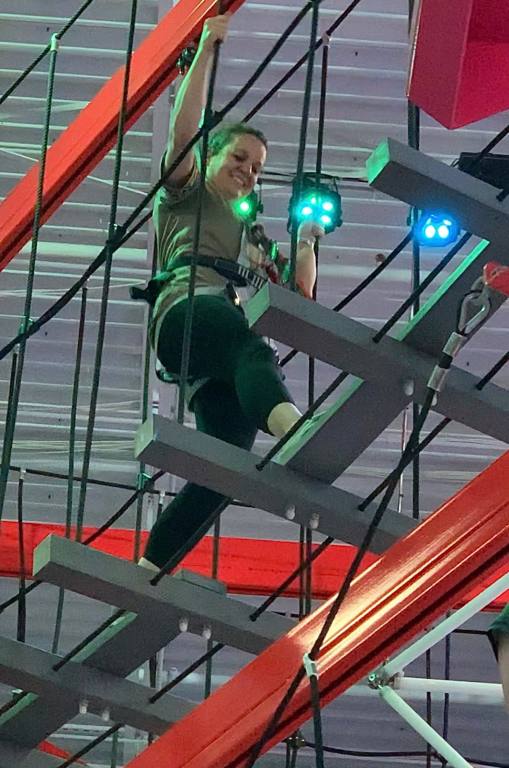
(234, 170)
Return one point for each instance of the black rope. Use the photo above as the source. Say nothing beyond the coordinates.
(317, 713)
(87, 640)
(266, 61)
(22, 608)
(9, 422)
(286, 583)
(493, 371)
(58, 35)
(214, 571)
(406, 457)
(98, 740)
(305, 416)
(329, 32)
(112, 232)
(191, 668)
(447, 676)
(118, 514)
(422, 287)
(365, 753)
(359, 288)
(144, 415)
(9, 435)
(72, 443)
(126, 234)
(149, 481)
(99, 260)
(301, 154)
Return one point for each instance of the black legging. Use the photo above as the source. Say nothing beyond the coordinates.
(245, 385)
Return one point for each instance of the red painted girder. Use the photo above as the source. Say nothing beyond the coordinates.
(246, 566)
(416, 580)
(51, 749)
(93, 133)
(459, 70)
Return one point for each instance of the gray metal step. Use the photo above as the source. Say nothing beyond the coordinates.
(232, 471)
(31, 669)
(120, 583)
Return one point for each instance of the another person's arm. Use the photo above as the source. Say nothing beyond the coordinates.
(191, 98)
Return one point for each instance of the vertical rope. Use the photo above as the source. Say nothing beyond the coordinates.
(21, 629)
(144, 413)
(9, 433)
(113, 235)
(315, 13)
(214, 574)
(114, 749)
(9, 417)
(70, 466)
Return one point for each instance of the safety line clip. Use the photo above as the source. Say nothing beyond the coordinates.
(310, 666)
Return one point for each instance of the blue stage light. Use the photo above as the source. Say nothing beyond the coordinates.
(436, 229)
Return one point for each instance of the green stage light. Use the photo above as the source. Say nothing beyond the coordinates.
(247, 207)
(317, 202)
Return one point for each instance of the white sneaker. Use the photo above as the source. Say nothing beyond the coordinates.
(144, 563)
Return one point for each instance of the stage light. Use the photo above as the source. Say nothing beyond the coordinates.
(247, 207)
(317, 202)
(436, 229)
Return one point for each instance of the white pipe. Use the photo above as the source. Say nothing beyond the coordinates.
(459, 690)
(422, 728)
(434, 635)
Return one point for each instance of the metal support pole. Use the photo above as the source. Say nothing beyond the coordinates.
(454, 759)
(402, 660)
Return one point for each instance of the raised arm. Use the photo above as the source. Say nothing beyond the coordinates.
(191, 97)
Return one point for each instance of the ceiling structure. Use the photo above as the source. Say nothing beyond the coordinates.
(366, 103)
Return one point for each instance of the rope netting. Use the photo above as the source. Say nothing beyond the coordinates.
(118, 235)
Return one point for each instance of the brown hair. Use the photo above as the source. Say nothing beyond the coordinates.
(222, 137)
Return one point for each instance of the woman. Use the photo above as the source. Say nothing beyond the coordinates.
(237, 385)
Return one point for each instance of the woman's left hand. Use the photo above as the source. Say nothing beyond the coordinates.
(310, 230)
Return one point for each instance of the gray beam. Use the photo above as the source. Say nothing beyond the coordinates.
(420, 180)
(111, 580)
(409, 175)
(14, 756)
(365, 409)
(31, 669)
(232, 471)
(348, 345)
(120, 649)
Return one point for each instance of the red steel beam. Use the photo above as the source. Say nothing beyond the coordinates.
(416, 580)
(88, 139)
(246, 566)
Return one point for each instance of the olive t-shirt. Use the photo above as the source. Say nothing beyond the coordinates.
(175, 216)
